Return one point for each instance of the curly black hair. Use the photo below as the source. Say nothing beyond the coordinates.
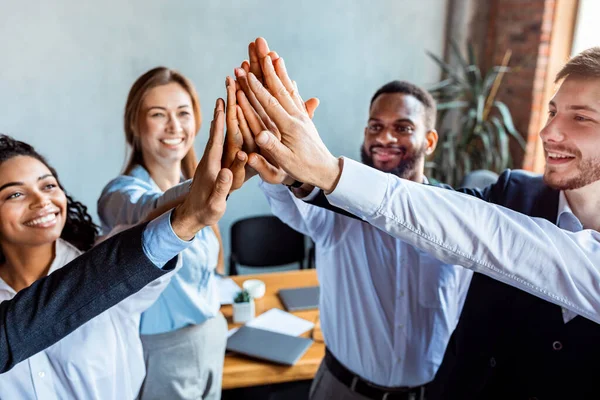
(79, 229)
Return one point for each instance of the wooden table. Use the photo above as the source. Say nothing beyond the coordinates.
(240, 371)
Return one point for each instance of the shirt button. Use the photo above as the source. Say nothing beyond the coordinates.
(492, 362)
(41, 374)
(557, 345)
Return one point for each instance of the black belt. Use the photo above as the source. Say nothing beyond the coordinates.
(368, 389)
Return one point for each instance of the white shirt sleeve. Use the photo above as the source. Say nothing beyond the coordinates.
(305, 218)
(531, 254)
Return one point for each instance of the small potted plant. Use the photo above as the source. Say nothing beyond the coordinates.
(243, 307)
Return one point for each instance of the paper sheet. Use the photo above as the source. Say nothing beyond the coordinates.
(228, 289)
(277, 320)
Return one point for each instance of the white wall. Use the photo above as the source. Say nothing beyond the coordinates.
(66, 67)
(587, 30)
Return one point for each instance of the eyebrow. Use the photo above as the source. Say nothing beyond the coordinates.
(396, 121)
(21, 183)
(164, 108)
(577, 107)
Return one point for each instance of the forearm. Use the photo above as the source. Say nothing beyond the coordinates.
(529, 253)
(132, 203)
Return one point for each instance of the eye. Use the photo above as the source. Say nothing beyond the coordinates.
(50, 186)
(374, 128)
(14, 195)
(551, 113)
(580, 118)
(157, 115)
(404, 129)
(184, 114)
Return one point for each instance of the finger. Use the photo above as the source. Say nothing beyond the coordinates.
(267, 171)
(249, 144)
(253, 120)
(274, 56)
(218, 198)
(238, 170)
(272, 107)
(214, 148)
(280, 154)
(233, 139)
(261, 47)
(311, 106)
(277, 88)
(255, 67)
(258, 108)
(245, 66)
(289, 85)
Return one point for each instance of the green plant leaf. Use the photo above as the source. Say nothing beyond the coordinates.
(502, 144)
(458, 54)
(452, 105)
(447, 68)
(508, 123)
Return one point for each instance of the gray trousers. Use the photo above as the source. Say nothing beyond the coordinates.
(187, 363)
(325, 386)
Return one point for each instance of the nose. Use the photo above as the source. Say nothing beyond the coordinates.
(553, 131)
(174, 124)
(40, 200)
(386, 137)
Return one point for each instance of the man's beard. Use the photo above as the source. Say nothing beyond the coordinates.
(405, 168)
(588, 171)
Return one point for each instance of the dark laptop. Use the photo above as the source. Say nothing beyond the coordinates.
(267, 345)
(299, 299)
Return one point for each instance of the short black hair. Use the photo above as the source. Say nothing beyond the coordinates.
(418, 93)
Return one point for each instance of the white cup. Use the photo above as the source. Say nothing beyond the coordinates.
(256, 288)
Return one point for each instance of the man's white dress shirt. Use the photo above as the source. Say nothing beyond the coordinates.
(529, 253)
(387, 309)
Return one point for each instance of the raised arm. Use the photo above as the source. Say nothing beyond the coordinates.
(531, 254)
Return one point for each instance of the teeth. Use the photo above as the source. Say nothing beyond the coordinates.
(554, 155)
(42, 220)
(172, 142)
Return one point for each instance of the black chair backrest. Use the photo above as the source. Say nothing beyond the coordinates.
(479, 179)
(263, 242)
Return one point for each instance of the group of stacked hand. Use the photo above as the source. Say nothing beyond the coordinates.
(269, 132)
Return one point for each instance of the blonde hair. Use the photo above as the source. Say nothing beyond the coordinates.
(158, 76)
(585, 65)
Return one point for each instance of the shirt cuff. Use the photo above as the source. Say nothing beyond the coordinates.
(311, 196)
(159, 241)
(360, 190)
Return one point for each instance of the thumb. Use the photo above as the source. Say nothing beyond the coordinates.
(277, 150)
(311, 106)
(222, 185)
(267, 171)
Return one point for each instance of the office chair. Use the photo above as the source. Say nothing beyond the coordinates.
(479, 179)
(264, 241)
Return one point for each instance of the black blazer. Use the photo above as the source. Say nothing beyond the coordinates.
(53, 307)
(509, 344)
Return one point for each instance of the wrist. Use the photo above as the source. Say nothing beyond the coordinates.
(302, 191)
(331, 175)
(184, 223)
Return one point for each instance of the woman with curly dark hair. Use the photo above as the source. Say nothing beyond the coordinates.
(41, 230)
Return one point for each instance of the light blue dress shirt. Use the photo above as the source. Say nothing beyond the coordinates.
(192, 295)
(562, 267)
(103, 358)
(387, 309)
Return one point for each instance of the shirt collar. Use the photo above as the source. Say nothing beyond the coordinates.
(141, 173)
(64, 253)
(566, 219)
